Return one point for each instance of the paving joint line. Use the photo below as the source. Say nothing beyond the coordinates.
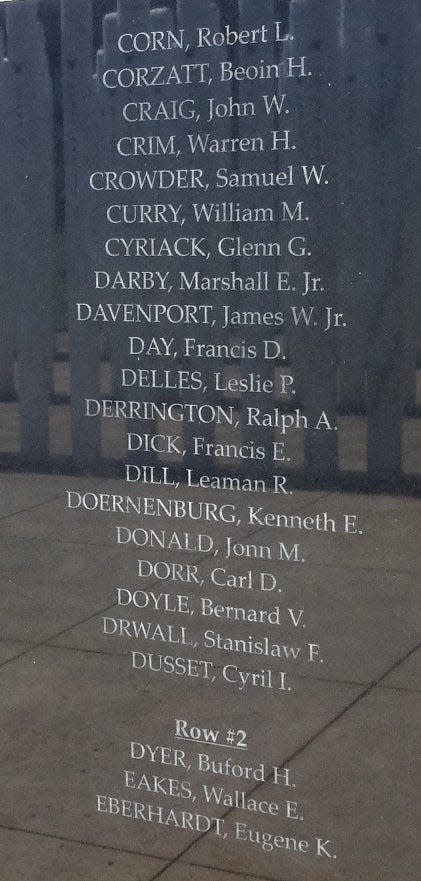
(289, 759)
(81, 842)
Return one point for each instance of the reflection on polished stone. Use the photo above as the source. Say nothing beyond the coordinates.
(40, 857)
(74, 702)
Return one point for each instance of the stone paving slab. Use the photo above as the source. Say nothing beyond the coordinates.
(20, 492)
(11, 649)
(407, 675)
(28, 857)
(181, 871)
(56, 521)
(391, 528)
(364, 621)
(70, 708)
(358, 788)
(45, 590)
(70, 717)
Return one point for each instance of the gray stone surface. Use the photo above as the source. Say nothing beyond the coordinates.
(11, 649)
(29, 857)
(72, 703)
(406, 675)
(181, 871)
(365, 621)
(26, 492)
(71, 716)
(47, 587)
(359, 783)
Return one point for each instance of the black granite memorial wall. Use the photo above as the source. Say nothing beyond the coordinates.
(210, 447)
